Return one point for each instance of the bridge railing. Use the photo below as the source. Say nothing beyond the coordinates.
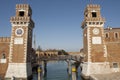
(59, 57)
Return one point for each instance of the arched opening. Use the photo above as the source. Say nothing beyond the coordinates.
(45, 54)
(3, 56)
(48, 54)
(116, 35)
(107, 35)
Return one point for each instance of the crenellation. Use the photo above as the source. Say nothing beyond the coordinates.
(95, 19)
(20, 19)
(22, 6)
(4, 39)
(93, 6)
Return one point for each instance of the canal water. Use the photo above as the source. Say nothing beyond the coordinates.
(57, 71)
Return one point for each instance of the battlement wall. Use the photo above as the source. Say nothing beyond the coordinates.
(4, 39)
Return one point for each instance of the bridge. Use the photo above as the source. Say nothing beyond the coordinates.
(73, 62)
(60, 58)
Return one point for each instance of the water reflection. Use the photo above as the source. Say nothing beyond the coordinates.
(57, 71)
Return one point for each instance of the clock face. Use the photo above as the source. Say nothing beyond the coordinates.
(19, 31)
(96, 31)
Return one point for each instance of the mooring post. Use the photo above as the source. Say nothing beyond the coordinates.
(42, 64)
(45, 68)
(74, 71)
(39, 71)
(69, 67)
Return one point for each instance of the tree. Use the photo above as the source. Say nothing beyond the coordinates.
(62, 52)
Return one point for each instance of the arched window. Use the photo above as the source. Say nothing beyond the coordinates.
(45, 54)
(3, 56)
(116, 35)
(106, 35)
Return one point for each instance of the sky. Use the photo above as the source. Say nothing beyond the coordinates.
(58, 22)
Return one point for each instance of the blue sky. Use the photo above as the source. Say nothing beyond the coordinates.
(58, 22)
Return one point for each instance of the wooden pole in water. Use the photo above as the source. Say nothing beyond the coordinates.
(69, 67)
(39, 71)
(43, 70)
(74, 72)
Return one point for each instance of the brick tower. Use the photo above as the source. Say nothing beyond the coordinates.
(94, 43)
(21, 43)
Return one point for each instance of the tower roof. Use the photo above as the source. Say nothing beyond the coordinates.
(92, 14)
(22, 6)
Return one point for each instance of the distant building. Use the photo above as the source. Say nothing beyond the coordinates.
(16, 51)
(52, 52)
(101, 46)
(47, 54)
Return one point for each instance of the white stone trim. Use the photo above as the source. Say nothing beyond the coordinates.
(19, 70)
(89, 46)
(25, 46)
(21, 10)
(89, 51)
(105, 47)
(94, 25)
(105, 52)
(3, 60)
(17, 33)
(11, 47)
(96, 68)
(19, 24)
(96, 40)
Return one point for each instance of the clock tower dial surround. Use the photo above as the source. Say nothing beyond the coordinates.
(96, 31)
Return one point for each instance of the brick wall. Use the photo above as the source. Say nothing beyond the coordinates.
(4, 49)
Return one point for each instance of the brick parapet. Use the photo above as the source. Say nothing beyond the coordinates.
(4, 39)
(19, 6)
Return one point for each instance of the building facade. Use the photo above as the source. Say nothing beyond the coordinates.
(112, 39)
(101, 46)
(4, 54)
(16, 51)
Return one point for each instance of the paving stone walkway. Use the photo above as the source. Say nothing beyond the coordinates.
(112, 76)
